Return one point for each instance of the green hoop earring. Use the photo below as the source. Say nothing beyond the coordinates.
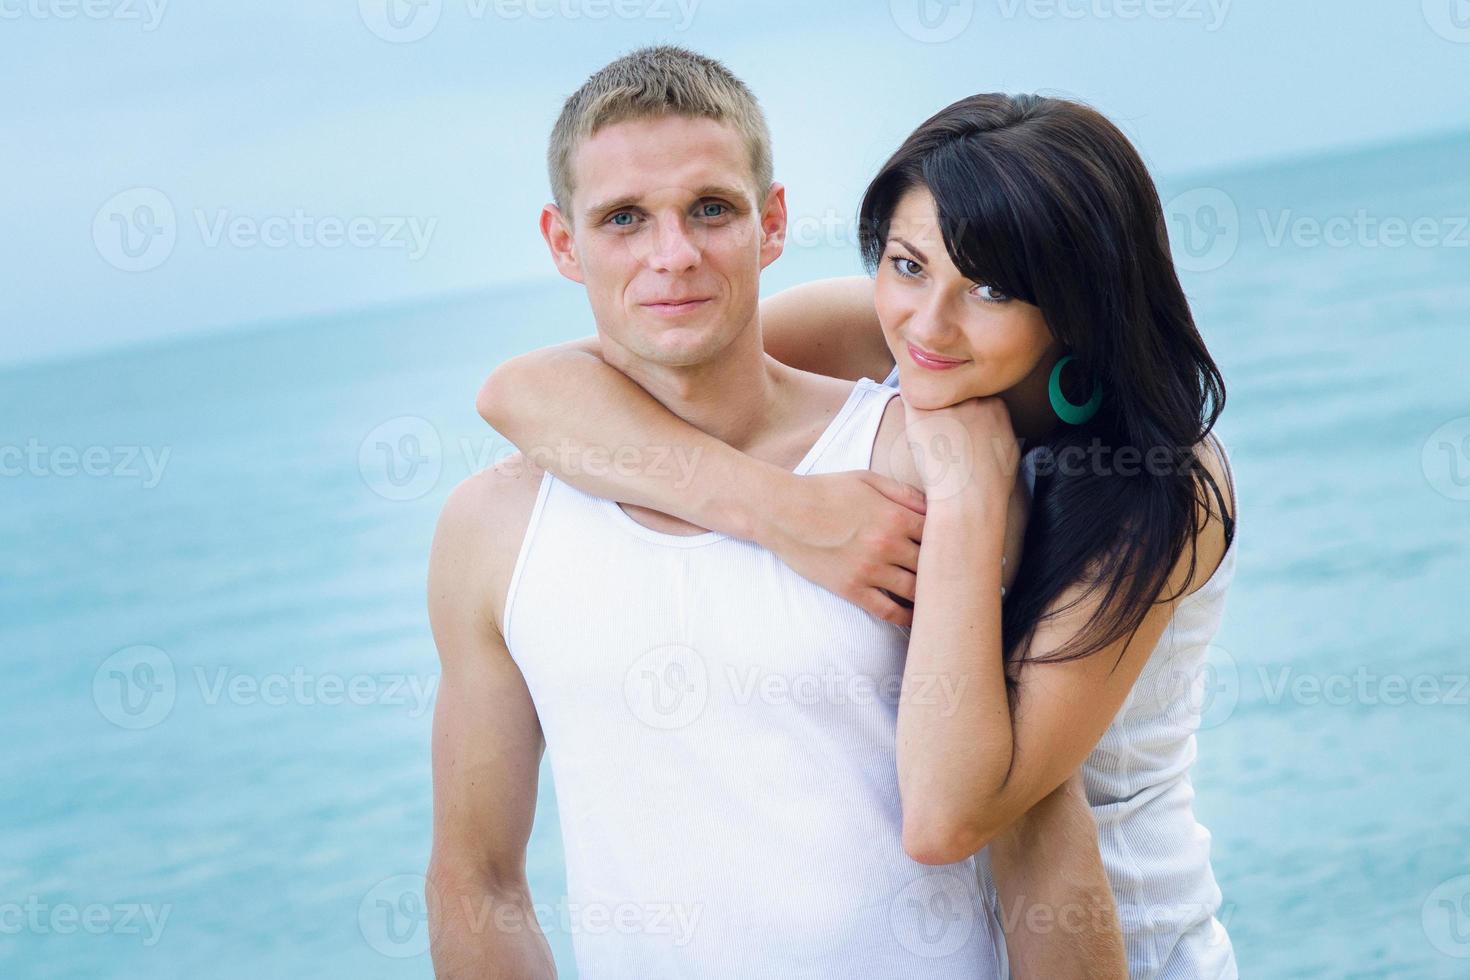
(1066, 411)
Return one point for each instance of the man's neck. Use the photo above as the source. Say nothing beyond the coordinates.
(733, 396)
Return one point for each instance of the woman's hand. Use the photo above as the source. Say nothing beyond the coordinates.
(963, 448)
(854, 533)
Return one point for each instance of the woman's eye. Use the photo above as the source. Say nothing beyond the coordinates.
(990, 293)
(905, 266)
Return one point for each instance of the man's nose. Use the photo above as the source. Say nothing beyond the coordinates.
(675, 247)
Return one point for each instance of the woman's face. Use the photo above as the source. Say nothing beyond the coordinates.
(951, 337)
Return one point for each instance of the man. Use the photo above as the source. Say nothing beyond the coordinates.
(721, 731)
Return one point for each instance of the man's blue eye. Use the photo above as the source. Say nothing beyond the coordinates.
(713, 210)
(618, 219)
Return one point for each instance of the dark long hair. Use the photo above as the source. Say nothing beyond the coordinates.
(1046, 200)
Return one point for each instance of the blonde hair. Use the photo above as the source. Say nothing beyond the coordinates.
(647, 84)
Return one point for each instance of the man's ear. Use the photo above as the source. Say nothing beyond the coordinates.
(773, 225)
(558, 234)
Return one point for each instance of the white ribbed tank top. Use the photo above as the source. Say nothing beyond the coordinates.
(1156, 854)
(721, 736)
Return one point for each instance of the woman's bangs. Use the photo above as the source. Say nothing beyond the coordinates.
(980, 223)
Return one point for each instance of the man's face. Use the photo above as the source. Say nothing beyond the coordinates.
(666, 232)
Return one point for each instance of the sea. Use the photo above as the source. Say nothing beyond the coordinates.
(219, 676)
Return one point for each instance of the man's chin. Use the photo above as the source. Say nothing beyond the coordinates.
(679, 344)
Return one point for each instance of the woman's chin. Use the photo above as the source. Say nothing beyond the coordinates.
(927, 393)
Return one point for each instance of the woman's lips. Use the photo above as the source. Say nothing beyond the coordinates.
(932, 362)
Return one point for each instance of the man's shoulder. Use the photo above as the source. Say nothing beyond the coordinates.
(498, 499)
(486, 515)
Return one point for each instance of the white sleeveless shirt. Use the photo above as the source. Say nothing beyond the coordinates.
(1156, 854)
(721, 736)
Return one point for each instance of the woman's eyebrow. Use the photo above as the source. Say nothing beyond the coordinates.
(917, 254)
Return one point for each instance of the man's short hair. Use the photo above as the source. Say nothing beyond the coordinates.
(650, 83)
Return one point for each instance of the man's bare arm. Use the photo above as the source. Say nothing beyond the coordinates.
(1056, 905)
(486, 752)
(852, 533)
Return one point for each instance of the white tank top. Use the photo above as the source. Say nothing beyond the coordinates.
(1157, 856)
(721, 736)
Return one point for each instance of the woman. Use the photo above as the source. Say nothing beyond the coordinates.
(1025, 297)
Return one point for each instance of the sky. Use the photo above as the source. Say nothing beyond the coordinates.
(173, 168)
